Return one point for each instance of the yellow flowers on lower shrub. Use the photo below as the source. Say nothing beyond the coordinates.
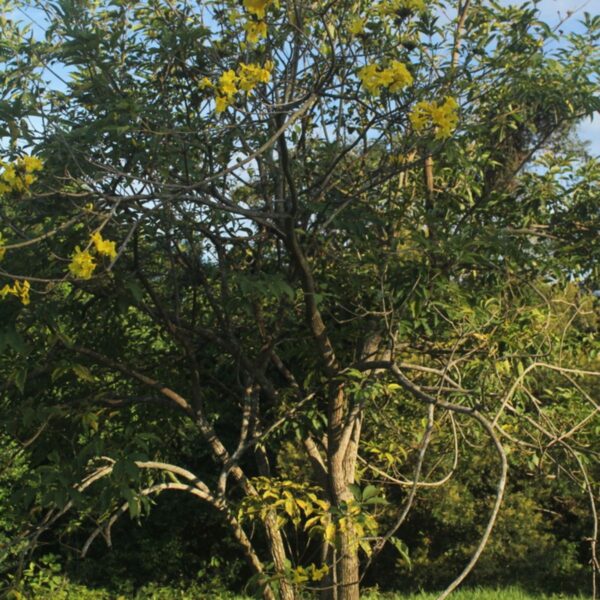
(18, 289)
(395, 78)
(444, 117)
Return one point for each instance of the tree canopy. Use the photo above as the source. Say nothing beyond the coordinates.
(304, 261)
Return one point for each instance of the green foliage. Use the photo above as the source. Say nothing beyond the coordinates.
(44, 580)
(284, 275)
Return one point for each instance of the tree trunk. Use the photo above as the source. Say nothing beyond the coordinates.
(342, 448)
(246, 544)
(348, 575)
(277, 549)
(349, 564)
(274, 537)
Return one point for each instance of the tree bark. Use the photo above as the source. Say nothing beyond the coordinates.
(250, 554)
(343, 435)
(348, 575)
(348, 566)
(277, 549)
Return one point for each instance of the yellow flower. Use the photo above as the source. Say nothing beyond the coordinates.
(251, 75)
(259, 7)
(32, 163)
(10, 174)
(223, 102)
(18, 176)
(395, 77)
(419, 116)
(370, 77)
(227, 83)
(82, 264)
(443, 117)
(21, 291)
(205, 83)
(255, 30)
(104, 247)
(401, 76)
(18, 289)
(356, 25)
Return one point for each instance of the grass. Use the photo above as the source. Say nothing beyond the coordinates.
(509, 593)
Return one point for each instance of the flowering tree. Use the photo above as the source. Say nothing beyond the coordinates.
(330, 244)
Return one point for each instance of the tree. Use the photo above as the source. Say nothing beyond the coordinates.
(311, 247)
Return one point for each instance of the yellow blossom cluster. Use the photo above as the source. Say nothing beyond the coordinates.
(18, 289)
(231, 82)
(444, 116)
(19, 175)
(104, 247)
(258, 8)
(82, 263)
(255, 30)
(394, 78)
(251, 75)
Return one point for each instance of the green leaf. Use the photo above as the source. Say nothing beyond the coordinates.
(19, 377)
(82, 372)
(402, 549)
(369, 492)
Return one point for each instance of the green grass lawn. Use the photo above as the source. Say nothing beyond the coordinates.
(475, 594)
